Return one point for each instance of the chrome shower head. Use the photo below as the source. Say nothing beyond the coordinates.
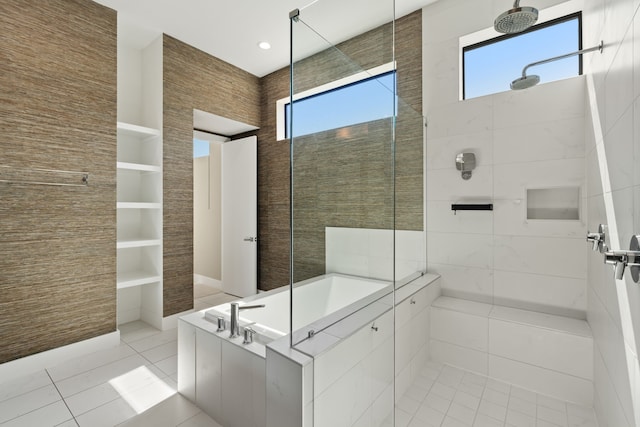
(516, 19)
(525, 82)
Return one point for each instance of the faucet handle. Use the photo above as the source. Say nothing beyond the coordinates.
(222, 324)
(248, 335)
(598, 239)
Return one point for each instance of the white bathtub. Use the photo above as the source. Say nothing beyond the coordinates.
(313, 300)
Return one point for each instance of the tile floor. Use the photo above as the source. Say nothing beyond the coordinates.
(444, 396)
(134, 384)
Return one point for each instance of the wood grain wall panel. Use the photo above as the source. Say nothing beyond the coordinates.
(58, 112)
(334, 186)
(192, 80)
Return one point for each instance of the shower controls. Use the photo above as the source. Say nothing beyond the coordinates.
(598, 239)
(622, 259)
(465, 163)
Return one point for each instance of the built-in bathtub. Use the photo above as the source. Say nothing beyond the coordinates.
(316, 301)
(269, 383)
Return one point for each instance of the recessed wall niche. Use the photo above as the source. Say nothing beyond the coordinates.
(562, 203)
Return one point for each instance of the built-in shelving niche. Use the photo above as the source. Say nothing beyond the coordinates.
(561, 203)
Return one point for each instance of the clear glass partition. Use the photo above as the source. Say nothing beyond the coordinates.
(357, 205)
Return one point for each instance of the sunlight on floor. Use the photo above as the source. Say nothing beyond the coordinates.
(141, 389)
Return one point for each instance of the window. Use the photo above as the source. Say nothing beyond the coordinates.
(357, 99)
(490, 66)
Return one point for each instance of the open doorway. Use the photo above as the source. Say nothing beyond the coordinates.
(211, 253)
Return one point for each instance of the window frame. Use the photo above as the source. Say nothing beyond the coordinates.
(541, 26)
(281, 104)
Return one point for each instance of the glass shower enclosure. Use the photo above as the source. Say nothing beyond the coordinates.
(358, 309)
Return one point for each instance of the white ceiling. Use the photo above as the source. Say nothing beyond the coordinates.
(231, 29)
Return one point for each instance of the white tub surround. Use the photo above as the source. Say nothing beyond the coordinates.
(548, 354)
(344, 374)
(276, 385)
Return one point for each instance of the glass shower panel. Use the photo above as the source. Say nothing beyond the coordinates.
(357, 211)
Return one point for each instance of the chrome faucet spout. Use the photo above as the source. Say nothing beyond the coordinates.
(234, 324)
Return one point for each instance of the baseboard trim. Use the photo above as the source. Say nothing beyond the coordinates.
(47, 359)
(199, 278)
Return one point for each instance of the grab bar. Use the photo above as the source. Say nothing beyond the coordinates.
(36, 176)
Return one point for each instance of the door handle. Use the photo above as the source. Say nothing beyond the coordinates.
(250, 239)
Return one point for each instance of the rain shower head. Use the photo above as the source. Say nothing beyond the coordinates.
(525, 82)
(516, 19)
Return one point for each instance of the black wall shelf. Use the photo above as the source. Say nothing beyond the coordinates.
(471, 207)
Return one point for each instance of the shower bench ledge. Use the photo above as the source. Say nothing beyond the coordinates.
(545, 353)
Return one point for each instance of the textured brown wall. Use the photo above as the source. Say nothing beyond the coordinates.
(192, 79)
(334, 186)
(57, 111)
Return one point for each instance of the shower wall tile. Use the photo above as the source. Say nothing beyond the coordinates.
(469, 250)
(471, 283)
(563, 99)
(459, 328)
(611, 347)
(470, 116)
(561, 352)
(555, 139)
(619, 148)
(512, 180)
(441, 72)
(556, 295)
(443, 219)
(606, 403)
(618, 84)
(564, 257)
(448, 185)
(463, 357)
(510, 219)
(443, 151)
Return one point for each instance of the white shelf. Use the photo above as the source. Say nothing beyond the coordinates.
(138, 243)
(135, 130)
(138, 167)
(131, 279)
(138, 205)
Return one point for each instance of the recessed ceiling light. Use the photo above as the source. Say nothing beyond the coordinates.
(264, 45)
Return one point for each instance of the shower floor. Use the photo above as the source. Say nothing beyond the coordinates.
(445, 396)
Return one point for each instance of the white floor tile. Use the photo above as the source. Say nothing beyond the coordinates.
(135, 331)
(518, 419)
(522, 406)
(492, 410)
(496, 397)
(485, 421)
(79, 365)
(161, 352)
(170, 412)
(69, 423)
(408, 405)
(28, 402)
(24, 385)
(200, 420)
(103, 374)
(429, 415)
(169, 365)
(50, 415)
(154, 340)
(461, 413)
(558, 418)
(108, 415)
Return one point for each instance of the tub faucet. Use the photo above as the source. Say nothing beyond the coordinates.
(235, 315)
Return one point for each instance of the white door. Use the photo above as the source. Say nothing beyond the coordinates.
(240, 217)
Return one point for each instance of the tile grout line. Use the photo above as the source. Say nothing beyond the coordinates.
(62, 398)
